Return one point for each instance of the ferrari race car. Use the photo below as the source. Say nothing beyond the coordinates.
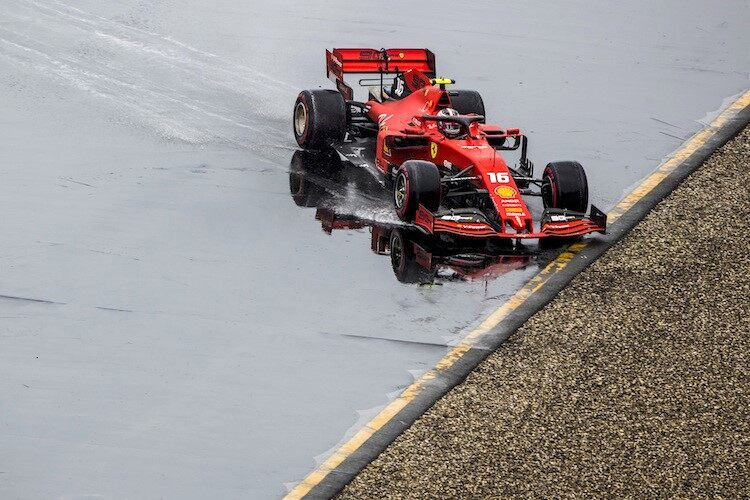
(434, 147)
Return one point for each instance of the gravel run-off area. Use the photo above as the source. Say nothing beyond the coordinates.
(634, 381)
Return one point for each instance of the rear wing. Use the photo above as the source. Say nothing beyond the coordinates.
(370, 61)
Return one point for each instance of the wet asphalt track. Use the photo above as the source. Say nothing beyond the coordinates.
(172, 323)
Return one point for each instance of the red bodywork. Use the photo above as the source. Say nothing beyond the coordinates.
(405, 135)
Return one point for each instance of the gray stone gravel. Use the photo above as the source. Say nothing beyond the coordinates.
(633, 382)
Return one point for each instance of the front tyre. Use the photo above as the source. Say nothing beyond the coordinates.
(319, 118)
(564, 186)
(417, 182)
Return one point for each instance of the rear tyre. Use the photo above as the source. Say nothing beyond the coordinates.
(467, 102)
(319, 118)
(565, 186)
(417, 182)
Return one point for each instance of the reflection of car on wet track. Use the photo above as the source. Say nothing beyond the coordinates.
(323, 181)
(433, 148)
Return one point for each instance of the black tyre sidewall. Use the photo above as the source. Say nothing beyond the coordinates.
(303, 98)
(422, 187)
(325, 118)
(565, 186)
(405, 211)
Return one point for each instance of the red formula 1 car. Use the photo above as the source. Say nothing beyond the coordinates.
(434, 147)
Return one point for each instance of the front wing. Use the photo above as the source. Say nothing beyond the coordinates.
(554, 223)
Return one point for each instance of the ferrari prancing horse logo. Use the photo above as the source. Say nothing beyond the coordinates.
(433, 149)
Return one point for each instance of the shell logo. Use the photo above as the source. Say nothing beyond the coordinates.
(505, 192)
(401, 55)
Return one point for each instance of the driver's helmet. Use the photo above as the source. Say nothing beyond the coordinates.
(449, 129)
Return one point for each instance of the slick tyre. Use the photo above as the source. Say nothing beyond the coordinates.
(417, 182)
(319, 118)
(564, 186)
(467, 102)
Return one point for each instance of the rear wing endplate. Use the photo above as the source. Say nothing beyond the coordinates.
(369, 61)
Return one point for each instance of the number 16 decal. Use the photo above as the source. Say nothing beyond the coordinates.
(499, 177)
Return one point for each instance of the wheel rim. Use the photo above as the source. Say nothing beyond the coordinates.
(399, 192)
(300, 118)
